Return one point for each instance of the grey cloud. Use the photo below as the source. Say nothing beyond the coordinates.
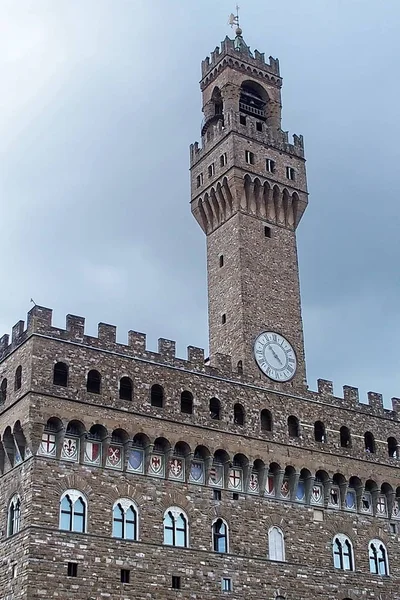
(100, 102)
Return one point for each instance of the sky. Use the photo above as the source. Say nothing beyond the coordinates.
(99, 104)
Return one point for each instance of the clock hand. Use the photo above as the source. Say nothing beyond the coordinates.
(275, 355)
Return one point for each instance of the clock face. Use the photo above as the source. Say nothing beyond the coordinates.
(275, 356)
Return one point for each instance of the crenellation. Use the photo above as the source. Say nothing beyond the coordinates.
(17, 332)
(375, 401)
(325, 387)
(4, 343)
(39, 319)
(107, 334)
(227, 49)
(351, 395)
(137, 341)
(75, 326)
(196, 357)
(167, 348)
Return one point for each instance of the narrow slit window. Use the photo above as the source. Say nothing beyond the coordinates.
(72, 569)
(125, 575)
(199, 180)
(223, 319)
(221, 260)
(259, 126)
(211, 170)
(242, 120)
(267, 231)
(249, 157)
(290, 173)
(270, 165)
(223, 161)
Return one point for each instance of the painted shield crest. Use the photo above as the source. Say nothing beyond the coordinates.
(70, 449)
(197, 472)
(235, 479)
(216, 475)
(156, 464)
(176, 468)
(381, 505)
(334, 496)
(114, 456)
(350, 500)
(92, 452)
(316, 494)
(48, 444)
(301, 491)
(253, 483)
(270, 486)
(135, 461)
(285, 488)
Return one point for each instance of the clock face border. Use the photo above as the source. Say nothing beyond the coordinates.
(285, 340)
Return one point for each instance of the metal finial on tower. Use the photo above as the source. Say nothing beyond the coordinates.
(234, 20)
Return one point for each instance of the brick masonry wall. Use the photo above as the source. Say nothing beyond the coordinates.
(40, 483)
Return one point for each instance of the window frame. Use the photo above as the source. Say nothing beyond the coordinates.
(125, 504)
(14, 515)
(273, 554)
(374, 546)
(217, 536)
(173, 513)
(340, 541)
(73, 496)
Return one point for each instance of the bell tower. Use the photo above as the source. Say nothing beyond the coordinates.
(248, 194)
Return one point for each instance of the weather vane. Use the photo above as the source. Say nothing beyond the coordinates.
(234, 19)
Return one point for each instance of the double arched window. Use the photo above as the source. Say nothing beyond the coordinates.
(220, 536)
(125, 520)
(73, 511)
(378, 560)
(343, 557)
(175, 527)
(276, 544)
(14, 515)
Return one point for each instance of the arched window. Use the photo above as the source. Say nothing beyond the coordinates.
(215, 409)
(319, 432)
(157, 396)
(392, 447)
(378, 560)
(18, 378)
(276, 544)
(60, 374)
(238, 414)
(345, 438)
(125, 388)
(266, 420)
(14, 515)
(240, 367)
(343, 553)
(220, 536)
(175, 527)
(186, 403)
(3, 391)
(125, 520)
(93, 382)
(73, 511)
(369, 443)
(253, 99)
(293, 426)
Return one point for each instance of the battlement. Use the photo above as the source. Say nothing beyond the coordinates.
(241, 53)
(269, 137)
(39, 322)
(351, 399)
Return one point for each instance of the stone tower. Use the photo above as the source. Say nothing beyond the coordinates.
(248, 194)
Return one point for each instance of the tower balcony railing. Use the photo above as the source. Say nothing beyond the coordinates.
(207, 121)
(252, 110)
